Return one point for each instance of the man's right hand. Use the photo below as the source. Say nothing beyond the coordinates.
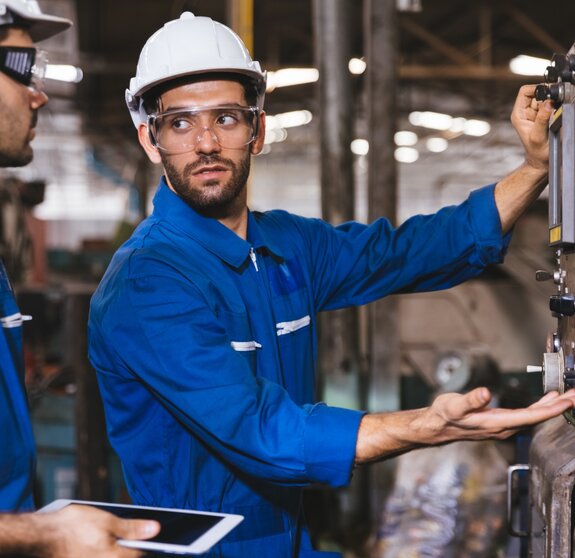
(79, 530)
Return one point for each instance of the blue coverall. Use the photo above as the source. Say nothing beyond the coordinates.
(17, 455)
(205, 348)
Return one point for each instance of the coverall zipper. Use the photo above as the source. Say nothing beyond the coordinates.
(254, 258)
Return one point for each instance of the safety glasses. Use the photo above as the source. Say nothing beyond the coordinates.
(179, 131)
(26, 65)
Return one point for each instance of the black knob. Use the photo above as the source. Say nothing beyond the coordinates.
(542, 92)
(551, 74)
(542, 275)
(562, 305)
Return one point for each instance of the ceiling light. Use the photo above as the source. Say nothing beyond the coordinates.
(276, 124)
(360, 147)
(405, 138)
(436, 144)
(289, 119)
(444, 122)
(275, 135)
(408, 5)
(476, 128)
(406, 155)
(357, 66)
(64, 72)
(428, 119)
(528, 65)
(291, 76)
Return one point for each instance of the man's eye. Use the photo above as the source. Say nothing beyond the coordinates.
(180, 124)
(227, 120)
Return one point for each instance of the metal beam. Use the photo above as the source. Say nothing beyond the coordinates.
(535, 29)
(381, 31)
(339, 331)
(435, 42)
(241, 19)
(459, 72)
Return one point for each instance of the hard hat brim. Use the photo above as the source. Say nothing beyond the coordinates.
(44, 29)
(39, 26)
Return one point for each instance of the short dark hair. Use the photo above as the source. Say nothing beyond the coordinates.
(151, 97)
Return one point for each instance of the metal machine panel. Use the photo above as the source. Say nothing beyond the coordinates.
(552, 453)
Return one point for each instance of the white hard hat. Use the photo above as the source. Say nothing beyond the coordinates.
(40, 26)
(186, 46)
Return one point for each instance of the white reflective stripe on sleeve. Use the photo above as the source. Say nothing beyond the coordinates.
(245, 345)
(14, 320)
(289, 327)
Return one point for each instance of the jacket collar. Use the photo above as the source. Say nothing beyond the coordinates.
(209, 232)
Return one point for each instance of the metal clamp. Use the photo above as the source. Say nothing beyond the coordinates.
(510, 493)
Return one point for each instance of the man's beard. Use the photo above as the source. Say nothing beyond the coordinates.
(19, 159)
(11, 156)
(202, 198)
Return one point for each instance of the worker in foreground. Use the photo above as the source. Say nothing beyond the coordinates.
(78, 530)
(203, 329)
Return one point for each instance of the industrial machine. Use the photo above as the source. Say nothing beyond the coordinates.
(549, 524)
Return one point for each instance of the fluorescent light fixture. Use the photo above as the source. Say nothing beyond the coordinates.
(408, 5)
(289, 119)
(444, 122)
(357, 66)
(64, 72)
(275, 135)
(276, 124)
(436, 144)
(433, 120)
(528, 65)
(406, 155)
(291, 76)
(405, 138)
(476, 128)
(359, 146)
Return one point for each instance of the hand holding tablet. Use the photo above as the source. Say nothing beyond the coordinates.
(183, 531)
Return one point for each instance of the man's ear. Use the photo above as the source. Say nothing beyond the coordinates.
(146, 142)
(258, 144)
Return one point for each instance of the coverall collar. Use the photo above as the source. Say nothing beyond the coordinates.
(209, 232)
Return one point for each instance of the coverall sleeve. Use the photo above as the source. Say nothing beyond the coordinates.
(160, 331)
(355, 264)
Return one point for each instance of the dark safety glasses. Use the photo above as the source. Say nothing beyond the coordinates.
(26, 65)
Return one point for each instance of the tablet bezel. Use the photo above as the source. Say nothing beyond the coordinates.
(202, 544)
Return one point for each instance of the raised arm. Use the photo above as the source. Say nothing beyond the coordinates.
(451, 417)
(515, 192)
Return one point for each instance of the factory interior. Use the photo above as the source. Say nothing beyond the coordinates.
(374, 108)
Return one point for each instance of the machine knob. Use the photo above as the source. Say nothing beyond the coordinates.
(562, 305)
(554, 377)
(542, 92)
(553, 91)
(542, 275)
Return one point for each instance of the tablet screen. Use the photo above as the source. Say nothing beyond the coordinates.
(177, 527)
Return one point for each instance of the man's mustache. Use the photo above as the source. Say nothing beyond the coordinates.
(206, 160)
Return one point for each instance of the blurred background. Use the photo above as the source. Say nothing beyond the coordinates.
(375, 107)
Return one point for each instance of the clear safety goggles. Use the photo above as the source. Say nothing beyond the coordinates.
(179, 131)
(26, 65)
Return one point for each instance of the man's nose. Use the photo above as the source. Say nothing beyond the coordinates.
(207, 142)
